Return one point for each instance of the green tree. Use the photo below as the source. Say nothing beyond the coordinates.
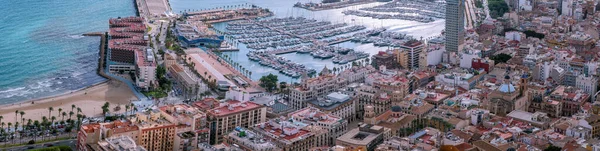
(269, 82)
(553, 148)
(105, 108)
(497, 8)
(501, 58)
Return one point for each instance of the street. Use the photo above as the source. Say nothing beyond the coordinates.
(69, 142)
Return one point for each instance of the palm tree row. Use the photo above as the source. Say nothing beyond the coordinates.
(237, 66)
(34, 128)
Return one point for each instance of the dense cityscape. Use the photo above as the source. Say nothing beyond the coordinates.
(514, 75)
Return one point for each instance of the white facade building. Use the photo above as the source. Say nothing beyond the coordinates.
(589, 84)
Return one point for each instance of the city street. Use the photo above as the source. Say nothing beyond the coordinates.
(70, 142)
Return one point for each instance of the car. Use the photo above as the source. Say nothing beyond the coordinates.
(48, 145)
(30, 147)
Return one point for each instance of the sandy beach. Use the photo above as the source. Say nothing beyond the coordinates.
(90, 100)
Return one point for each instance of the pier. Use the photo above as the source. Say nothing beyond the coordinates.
(147, 8)
(283, 51)
(341, 40)
(224, 15)
(326, 6)
(93, 34)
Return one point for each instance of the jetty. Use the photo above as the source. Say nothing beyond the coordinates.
(326, 6)
(224, 15)
(93, 34)
(339, 40)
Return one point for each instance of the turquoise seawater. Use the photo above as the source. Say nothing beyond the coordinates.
(42, 52)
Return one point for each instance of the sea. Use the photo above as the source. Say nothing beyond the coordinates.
(43, 53)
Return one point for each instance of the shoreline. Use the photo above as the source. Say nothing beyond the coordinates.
(2, 106)
(89, 99)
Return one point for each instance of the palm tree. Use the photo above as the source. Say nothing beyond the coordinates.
(50, 109)
(126, 108)
(59, 111)
(72, 107)
(29, 122)
(2, 130)
(52, 120)
(78, 110)
(63, 116)
(1, 117)
(36, 125)
(16, 112)
(79, 116)
(9, 125)
(23, 119)
(71, 114)
(132, 107)
(16, 125)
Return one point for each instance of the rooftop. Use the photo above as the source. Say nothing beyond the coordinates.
(284, 131)
(250, 140)
(332, 101)
(234, 106)
(122, 143)
(355, 136)
(314, 115)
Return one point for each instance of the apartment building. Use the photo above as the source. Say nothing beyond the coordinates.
(410, 54)
(337, 104)
(156, 133)
(249, 140)
(192, 125)
(90, 134)
(312, 88)
(365, 137)
(291, 136)
(335, 125)
(226, 116)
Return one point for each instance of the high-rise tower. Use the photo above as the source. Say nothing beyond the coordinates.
(455, 24)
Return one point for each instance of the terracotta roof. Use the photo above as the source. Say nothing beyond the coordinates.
(483, 145)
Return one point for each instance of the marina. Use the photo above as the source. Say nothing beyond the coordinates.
(285, 32)
(271, 59)
(281, 32)
(420, 11)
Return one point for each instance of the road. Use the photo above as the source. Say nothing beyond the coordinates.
(486, 9)
(69, 142)
(470, 13)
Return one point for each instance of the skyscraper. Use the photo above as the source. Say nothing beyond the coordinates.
(455, 24)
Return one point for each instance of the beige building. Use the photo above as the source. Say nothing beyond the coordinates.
(290, 136)
(226, 116)
(365, 137)
(249, 140)
(335, 125)
(156, 133)
(312, 88)
(337, 104)
(192, 125)
(410, 54)
(90, 134)
(120, 143)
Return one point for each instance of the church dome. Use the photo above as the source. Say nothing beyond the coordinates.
(507, 88)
